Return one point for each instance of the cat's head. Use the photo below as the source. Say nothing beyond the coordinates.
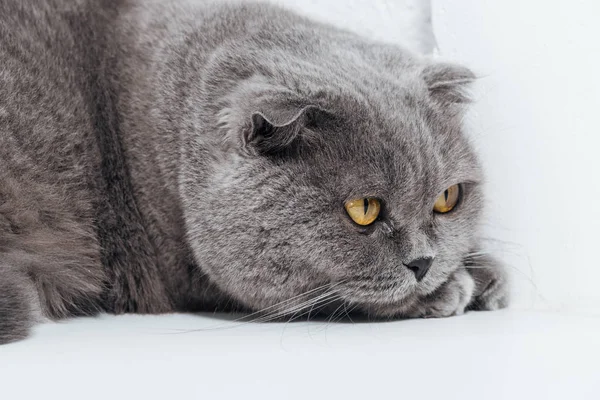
(367, 188)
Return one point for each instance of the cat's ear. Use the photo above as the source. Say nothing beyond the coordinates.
(448, 84)
(279, 128)
(282, 127)
(261, 118)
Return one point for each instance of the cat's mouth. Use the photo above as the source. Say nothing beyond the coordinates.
(334, 299)
(374, 298)
(340, 309)
(379, 299)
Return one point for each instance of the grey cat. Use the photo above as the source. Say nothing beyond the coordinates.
(184, 156)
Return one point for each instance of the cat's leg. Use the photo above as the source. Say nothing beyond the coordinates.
(491, 283)
(49, 257)
(19, 305)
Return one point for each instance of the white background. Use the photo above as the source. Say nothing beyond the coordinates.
(535, 124)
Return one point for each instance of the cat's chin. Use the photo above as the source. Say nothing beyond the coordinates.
(397, 295)
(376, 306)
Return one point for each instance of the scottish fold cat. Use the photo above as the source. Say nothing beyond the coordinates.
(183, 156)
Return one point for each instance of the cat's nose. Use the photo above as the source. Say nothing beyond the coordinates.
(420, 266)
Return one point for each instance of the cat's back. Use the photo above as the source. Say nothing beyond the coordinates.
(44, 112)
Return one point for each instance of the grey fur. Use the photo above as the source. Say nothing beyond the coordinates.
(183, 156)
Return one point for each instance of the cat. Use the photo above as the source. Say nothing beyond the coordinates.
(181, 156)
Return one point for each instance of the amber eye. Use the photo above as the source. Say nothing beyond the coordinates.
(363, 211)
(447, 200)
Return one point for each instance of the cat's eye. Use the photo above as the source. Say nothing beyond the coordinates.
(447, 200)
(363, 211)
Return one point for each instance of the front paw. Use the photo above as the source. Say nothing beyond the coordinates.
(449, 299)
(491, 283)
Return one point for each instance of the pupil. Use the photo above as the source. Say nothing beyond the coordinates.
(366, 205)
(446, 195)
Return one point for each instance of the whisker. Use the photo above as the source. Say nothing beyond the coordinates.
(291, 299)
(348, 311)
(333, 315)
(321, 304)
(278, 314)
(278, 310)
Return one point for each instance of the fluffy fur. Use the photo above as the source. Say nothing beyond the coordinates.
(175, 156)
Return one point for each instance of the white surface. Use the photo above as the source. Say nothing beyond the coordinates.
(536, 122)
(536, 128)
(501, 355)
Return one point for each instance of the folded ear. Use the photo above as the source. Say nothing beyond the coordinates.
(278, 127)
(264, 119)
(448, 83)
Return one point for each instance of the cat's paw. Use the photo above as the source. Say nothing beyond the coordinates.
(449, 299)
(491, 284)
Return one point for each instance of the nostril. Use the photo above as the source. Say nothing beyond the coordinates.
(413, 269)
(420, 267)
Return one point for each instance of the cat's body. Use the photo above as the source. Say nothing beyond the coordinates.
(170, 156)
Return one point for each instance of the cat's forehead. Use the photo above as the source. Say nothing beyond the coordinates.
(402, 124)
(399, 144)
